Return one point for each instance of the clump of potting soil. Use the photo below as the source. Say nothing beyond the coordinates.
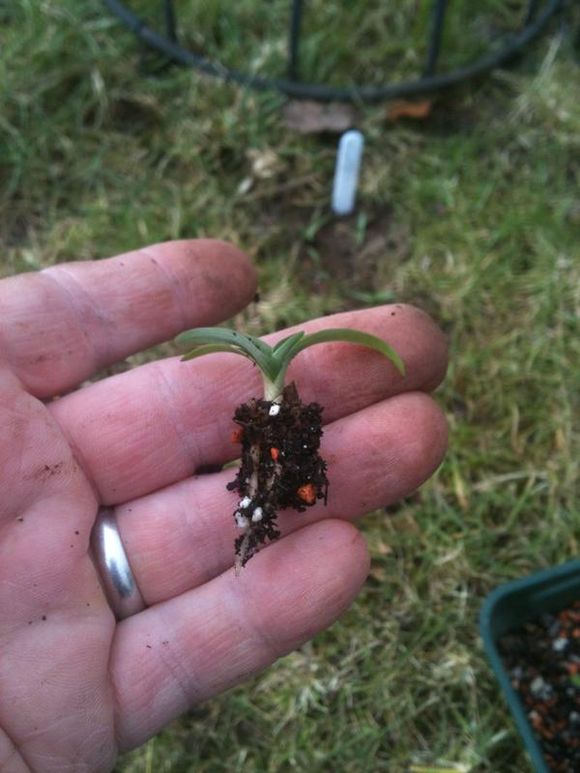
(280, 435)
(280, 466)
(543, 660)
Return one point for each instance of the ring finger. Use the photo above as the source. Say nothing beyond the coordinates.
(182, 536)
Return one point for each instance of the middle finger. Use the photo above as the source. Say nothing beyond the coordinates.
(145, 429)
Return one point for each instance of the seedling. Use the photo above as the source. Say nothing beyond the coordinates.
(280, 435)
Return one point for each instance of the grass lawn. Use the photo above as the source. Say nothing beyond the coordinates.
(472, 214)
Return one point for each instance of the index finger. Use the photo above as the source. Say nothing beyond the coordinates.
(61, 325)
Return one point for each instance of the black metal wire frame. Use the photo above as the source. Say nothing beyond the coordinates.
(536, 19)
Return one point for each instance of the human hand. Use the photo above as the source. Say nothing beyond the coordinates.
(77, 687)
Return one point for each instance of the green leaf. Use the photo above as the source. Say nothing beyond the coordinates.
(256, 350)
(261, 345)
(210, 335)
(286, 344)
(273, 362)
(353, 337)
(211, 348)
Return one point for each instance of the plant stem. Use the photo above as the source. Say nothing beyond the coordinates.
(273, 389)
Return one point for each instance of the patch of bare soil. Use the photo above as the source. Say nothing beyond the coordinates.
(359, 257)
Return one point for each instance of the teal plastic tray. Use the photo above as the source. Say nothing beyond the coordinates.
(506, 608)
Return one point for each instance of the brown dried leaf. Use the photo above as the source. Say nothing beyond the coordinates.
(309, 117)
(402, 108)
(383, 549)
(266, 163)
(378, 573)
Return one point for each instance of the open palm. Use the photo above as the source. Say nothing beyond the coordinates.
(76, 687)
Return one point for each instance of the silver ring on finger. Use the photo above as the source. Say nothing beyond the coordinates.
(117, 578)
